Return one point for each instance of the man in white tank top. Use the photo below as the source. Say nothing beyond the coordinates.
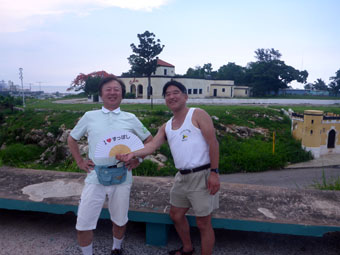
(194, 147)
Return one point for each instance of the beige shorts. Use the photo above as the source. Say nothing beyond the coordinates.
(92, 200)
(190, 191)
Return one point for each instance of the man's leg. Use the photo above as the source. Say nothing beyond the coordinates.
(118, 231)
(85, 237)
(85, 241)
(119, 196)
(91, 203)
(118, 236)
(207, 234)
(177, 214)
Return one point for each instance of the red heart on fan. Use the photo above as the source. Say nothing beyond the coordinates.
(108, 140)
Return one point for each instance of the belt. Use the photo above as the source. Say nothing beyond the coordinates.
(120, 164)
(196, 169)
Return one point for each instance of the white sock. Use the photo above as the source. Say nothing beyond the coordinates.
(117, 243)
(87, 250)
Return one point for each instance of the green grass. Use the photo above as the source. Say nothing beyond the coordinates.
(301, 108)
(300, 97)
(333, 184)
(19, 154)
(252, 154)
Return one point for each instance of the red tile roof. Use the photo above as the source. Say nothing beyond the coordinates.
(163, 63)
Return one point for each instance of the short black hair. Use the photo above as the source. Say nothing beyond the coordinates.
(109, 79)
(177, 84)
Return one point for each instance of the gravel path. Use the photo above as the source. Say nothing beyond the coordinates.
(48, 234)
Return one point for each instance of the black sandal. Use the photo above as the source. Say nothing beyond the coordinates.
(181, 252)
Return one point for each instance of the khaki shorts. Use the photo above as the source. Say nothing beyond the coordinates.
(190, 190)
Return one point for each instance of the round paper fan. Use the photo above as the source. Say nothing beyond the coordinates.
(117, 142)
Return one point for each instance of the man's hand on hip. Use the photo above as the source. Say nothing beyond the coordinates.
(87, 165)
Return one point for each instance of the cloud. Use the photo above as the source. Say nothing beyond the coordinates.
(18, 15)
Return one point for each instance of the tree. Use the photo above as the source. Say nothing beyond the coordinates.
(319, 84)
(8, 102)
(79, 83)
(269, 73)
(267, 55)
(144, 61)
(205, 72)
(335, 84)
(308, 86)
(92, 86)
(233, 72)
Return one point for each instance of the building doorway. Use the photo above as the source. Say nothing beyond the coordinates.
(331, 139)
(215, 92)
(133, 89)
(140, 91)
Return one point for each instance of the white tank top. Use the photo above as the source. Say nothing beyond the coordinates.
(187, 144)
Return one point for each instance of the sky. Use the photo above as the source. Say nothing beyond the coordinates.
(55, 40)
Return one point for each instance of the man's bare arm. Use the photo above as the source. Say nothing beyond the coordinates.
(134, 162)
(206, 126)
(150, 147)
(86, 165)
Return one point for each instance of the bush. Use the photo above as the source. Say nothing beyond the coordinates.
(149, 168)
(16, 154)
(129, 95)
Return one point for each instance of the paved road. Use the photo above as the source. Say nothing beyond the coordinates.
(303, 178)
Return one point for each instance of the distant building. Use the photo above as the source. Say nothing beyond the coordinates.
(318, 132)
(303, 92)
(197, 88)
(3, 85)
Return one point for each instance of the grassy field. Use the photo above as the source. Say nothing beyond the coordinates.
(237, 154)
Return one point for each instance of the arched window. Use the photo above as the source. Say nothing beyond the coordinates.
(331, 139)
(140, 91)
(133, 89)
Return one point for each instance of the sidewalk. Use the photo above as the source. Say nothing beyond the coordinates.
(330, 160)
(297, 176)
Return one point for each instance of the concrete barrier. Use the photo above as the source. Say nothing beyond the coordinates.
(242, 207)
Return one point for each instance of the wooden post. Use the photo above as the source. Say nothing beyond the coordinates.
(274, 142)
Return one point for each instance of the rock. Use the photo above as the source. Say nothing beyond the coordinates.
(84, 149)
(245, 132)
(34, 136)
(50, 135)
(153, 159)
(64, 135)
(215, 117)
(54, 154)
(3, 146)
(161, 158)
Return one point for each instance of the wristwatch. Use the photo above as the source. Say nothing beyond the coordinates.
(215, 170)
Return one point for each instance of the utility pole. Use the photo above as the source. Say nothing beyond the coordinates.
(22, 86)
(39, 85)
